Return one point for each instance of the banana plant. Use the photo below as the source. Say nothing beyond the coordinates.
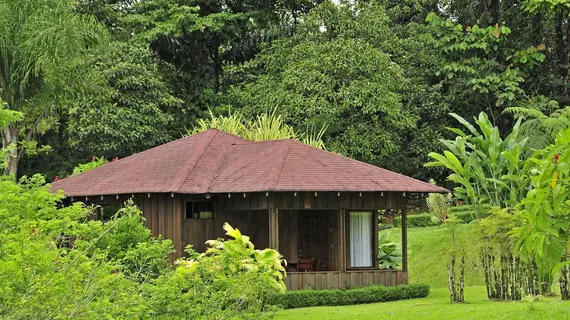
(486, 168)
(545, 215)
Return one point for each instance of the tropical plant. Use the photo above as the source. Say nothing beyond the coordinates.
(389, 253)
(486, 168)
(42, 42)
(42, 274)
(230, 280)
(507, 276)
(57, 263)
(544, 234)
(267, 126)
(94, 163)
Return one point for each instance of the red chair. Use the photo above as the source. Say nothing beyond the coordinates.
(305, 265)
(322, 265)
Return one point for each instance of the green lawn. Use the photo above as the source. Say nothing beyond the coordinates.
(427, 254)
(437, 306)
(427, 264)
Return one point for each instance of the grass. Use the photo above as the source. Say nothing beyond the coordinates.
(427, 254)
(437, 306)
(427, 258)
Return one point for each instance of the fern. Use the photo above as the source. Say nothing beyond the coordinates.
(543, 120)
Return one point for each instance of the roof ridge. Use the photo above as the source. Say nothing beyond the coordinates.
(197, 161)
(217, 172)
(247, 142)
(282, 164)
(230, 134)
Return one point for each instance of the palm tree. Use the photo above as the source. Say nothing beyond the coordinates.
(42, 45)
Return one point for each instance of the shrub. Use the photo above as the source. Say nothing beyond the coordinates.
(438, 204)
(417, 221)
(389, 253)
(55, 263)
(231, 280)
(465, 216)
(486, 208)
(313, 298)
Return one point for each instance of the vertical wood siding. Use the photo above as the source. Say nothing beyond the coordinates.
(343, 280)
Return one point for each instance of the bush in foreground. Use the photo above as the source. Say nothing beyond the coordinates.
(57, 263)
(371, 294)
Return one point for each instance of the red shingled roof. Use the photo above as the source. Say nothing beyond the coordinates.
(218, 162)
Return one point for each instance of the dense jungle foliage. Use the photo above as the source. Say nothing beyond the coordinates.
(478, 90)
(111, 77)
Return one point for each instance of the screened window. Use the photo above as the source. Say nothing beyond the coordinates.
(199, 210)
(361, 251)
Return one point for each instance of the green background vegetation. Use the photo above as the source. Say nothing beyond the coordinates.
(427, 254)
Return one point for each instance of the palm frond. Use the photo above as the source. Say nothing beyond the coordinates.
(267, 126)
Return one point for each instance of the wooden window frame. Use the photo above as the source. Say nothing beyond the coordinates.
(374, 239)
(185, 212)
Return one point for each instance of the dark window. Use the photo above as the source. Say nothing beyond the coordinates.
(107, 211)
(199, 210)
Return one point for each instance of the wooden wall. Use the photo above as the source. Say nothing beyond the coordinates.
(252, 212)
(343, 280)
(311, 200)
(163, 215)
(253, 223)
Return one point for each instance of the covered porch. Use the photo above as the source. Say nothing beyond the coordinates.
(329, 240)
(332, 249)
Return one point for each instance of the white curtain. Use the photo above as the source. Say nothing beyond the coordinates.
(361, 239)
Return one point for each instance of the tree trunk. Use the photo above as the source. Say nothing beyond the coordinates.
(564, 279)
(462, 279)
(10, 142)
(560, 43)
(495, 11)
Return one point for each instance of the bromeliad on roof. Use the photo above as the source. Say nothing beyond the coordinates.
(218, 162)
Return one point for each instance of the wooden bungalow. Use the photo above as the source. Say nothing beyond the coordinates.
(319, 209)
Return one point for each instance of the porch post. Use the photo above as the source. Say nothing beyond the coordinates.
(404, 240)
(274, 228)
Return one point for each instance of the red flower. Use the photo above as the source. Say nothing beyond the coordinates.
(56, 179)
(555, 159)
(115, 271)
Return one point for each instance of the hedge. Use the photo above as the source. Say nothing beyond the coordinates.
(463, 208)
(464, 213)
(417, 221)
(313, 298)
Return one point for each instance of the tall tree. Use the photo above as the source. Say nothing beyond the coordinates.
(333, 72)
(135, 112)
(478, 69)
(41, 44)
